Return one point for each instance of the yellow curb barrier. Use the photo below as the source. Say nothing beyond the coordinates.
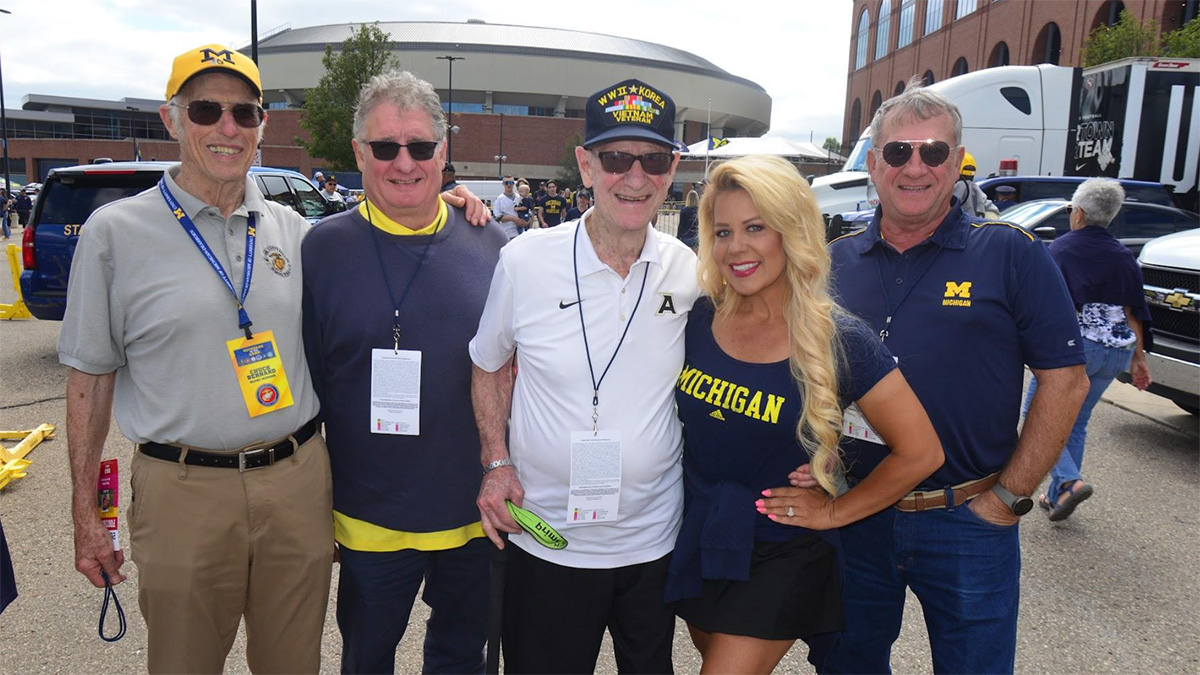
(16, 310)
(13, 462)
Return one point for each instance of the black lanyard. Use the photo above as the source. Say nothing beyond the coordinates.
(197, 239)
(888, 310)
(387, 282)
(583, 326)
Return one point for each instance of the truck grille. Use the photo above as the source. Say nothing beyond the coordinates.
(1171, 279)
(1184, 325)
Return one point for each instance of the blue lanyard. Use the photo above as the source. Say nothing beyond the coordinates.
(387, 282)
(198, 239)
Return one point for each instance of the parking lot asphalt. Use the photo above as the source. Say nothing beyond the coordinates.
(1112, 589)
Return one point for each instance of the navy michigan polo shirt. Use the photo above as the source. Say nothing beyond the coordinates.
(970, 306)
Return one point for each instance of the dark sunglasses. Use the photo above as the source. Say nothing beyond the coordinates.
(208, 113)
(386, 151)
(933, 153)
(653, 163)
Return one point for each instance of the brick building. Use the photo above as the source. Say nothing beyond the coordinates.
(894, 40)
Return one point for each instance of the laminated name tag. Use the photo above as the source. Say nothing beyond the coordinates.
(595, 492)
(260, 373)
(855, 425)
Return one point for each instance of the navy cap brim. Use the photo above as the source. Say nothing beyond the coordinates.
(629, 133)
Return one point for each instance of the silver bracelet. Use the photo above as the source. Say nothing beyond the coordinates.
(496, 465)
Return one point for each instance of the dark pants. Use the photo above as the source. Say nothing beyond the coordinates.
(555, 616)
(375, 597)
(966, 573)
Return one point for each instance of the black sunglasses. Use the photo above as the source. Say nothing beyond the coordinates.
(653, 163)
(933, 153)
(208, 113)
(386, 151)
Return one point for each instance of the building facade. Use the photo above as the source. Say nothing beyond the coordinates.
(892, 41)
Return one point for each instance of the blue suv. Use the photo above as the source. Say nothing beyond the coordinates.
(71, 194)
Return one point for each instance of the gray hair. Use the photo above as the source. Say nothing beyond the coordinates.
(1100, 199)
(405, 91)
(916, 101)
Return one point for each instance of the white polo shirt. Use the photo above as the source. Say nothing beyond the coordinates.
(531, 309)
(504, 205)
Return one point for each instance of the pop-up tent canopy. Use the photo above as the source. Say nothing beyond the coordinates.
(764, 145)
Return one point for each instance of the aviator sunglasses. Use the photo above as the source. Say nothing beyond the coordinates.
(933, 153)
(208, 113)
(653, 163)
(386, 151)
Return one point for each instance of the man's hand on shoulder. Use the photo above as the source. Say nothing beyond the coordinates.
(499, 485)
(462, 198)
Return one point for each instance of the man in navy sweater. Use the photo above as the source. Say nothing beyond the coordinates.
(394, 294)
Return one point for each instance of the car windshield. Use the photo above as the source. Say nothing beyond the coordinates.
(71, 199)
(857, 161)
(1030, 212)
(311, 201)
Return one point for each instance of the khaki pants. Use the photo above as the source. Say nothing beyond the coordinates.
(213, 545)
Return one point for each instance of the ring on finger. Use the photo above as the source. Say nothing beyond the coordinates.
(791, 512)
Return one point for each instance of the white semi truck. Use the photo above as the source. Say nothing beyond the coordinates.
(1134, 118)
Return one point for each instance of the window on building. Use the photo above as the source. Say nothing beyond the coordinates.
(927, 78)
(876, 101)
(999, 55)
(1176, 14)
(899, 88)
(960, 67)
(864, 34)
(1048, 46)
(908, 11)
(1108, 14)
(933, 15)
(964, 7)
(855, 120)
(883, 29)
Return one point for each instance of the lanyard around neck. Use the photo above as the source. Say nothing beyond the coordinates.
(387, 282)
(583, 326)
(188, 226)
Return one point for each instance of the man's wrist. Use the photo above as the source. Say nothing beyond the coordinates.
(498, 464)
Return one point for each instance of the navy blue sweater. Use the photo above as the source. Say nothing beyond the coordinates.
(425, 483)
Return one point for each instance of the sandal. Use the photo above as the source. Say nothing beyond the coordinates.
(1076, 495)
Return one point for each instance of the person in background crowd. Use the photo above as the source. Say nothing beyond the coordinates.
(318, 180)
(24, 206)
(330, 191)
(449, 181)
(767, 331)
(504, 208)
(582, 201)
(525, 206)
(5, 209)
(390, 366)
(550, 209)
(1105, 282)
(1006, 196)
(964, 305)
(603, 297)
(969, 195)
(688, 232)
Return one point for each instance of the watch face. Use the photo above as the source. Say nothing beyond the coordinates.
(1022, 505)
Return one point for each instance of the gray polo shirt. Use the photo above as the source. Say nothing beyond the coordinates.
(143, 302)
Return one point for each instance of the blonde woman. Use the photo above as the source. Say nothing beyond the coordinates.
(771, 363)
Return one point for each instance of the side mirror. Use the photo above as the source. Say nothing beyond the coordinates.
(1046, 232)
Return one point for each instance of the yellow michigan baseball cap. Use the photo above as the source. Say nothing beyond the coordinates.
(209, 59)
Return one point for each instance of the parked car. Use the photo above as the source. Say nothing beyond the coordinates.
(1171, 272)
(1027, 188)
(69, 195)
(1134, 225)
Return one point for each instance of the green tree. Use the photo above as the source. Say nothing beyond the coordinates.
(1183, 43)
(1127, 37)
(568, 168)
(329, 108)
(832, 144)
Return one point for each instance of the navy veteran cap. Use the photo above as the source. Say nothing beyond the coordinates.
(630, 110)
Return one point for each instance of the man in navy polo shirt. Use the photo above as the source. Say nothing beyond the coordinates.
(964, 305)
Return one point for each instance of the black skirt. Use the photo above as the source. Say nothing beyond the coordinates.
(793, 592)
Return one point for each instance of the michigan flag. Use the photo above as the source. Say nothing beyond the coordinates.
(714, 143)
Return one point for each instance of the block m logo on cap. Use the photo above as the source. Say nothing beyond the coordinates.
(215, 57)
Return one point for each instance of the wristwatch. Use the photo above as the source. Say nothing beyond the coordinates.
(1018, 504)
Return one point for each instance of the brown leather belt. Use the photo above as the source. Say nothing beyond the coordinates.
(936, 499)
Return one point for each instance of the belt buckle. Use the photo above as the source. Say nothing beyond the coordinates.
(246, 453)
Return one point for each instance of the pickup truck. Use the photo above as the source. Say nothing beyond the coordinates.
(71, 194)
(1171, 273)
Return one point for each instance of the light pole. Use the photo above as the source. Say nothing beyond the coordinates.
(4, 129)
(450, 136)
(137, 152)
(501, 157)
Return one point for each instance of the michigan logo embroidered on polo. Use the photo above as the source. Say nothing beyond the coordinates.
(958, 294)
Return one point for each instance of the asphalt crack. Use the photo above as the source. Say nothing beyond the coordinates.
(26, 405)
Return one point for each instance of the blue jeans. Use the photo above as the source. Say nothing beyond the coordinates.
(1103, 365)
(5, 226)
(964, 570)
(376, 593)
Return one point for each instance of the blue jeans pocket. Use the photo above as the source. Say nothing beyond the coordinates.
(978, 520)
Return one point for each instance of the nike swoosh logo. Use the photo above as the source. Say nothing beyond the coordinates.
(564, 305)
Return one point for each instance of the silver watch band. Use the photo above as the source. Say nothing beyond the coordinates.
(496, 465)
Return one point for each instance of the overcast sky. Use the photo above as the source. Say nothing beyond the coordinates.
(111, 49)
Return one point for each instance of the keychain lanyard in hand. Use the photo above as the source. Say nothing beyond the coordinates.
(583, 326)
(198, 239)
(387, 282)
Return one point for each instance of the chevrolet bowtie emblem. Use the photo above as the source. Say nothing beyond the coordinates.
(1177, 299)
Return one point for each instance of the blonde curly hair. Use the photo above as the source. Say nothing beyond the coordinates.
(786, 204)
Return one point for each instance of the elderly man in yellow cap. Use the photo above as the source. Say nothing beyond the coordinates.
(178, 323)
